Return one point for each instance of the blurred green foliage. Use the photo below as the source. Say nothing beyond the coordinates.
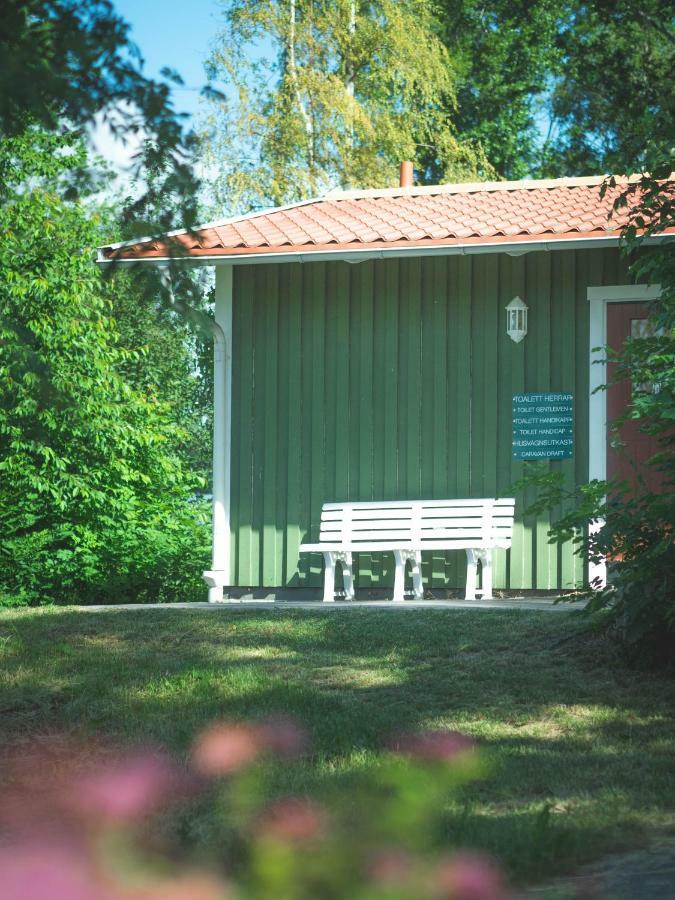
(66, 64)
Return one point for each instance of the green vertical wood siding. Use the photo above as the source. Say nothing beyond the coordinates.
(393, 379)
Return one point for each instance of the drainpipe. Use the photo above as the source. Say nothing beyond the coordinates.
(218, 576)
(215, 578)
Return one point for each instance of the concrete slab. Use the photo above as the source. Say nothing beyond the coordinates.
(546, 604)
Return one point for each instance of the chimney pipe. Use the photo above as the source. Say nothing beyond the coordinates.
(406, 174)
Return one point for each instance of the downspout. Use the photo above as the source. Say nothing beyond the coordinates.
(218, 577)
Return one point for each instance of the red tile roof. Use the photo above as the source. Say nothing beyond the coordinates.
(444, 215)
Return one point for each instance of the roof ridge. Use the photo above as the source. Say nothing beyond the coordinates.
(527, 184)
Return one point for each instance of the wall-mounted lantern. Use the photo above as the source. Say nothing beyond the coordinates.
(516, 320)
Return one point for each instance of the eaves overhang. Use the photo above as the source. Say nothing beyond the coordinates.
(510, 246)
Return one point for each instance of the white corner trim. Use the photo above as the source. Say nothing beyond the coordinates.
(598, 298)
(617, 293)
(218, 576)
(597, 412)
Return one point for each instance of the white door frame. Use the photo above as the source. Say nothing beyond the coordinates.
(598, 298)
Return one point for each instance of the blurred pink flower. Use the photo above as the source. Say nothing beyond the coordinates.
(292, 819)
(391, 867)
(432, 745)
(185, 887)
(282, 736)
(126, 788)
(48, 871)
(223, 748)
(469, 876)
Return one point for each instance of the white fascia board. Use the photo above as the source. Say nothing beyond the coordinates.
(515, 248)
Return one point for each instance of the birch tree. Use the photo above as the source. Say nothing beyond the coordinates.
(323, 94)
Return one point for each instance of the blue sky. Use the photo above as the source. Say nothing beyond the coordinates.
(168, 33)
(176, 34)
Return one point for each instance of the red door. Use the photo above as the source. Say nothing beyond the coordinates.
(627, 320)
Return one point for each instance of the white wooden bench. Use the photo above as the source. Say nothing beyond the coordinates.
(409, 527)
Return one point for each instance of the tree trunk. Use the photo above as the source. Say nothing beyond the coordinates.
(293, 72)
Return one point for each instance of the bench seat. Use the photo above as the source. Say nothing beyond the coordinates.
(408, 528)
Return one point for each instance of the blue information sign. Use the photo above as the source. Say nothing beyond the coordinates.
(543, 426)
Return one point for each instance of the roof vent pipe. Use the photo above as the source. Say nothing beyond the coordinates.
(406, 174)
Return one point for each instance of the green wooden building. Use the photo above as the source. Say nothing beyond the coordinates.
(363, 352)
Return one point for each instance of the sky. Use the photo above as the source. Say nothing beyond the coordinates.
(168, 33)
(176, 33)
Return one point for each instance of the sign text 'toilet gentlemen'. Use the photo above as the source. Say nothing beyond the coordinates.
(543, 426)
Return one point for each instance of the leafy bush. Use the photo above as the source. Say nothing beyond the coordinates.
(140, 562)
(95, 499)
(634, 533)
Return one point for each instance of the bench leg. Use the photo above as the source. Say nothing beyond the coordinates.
(329, 578)
(486, 573)
(345, 558)
(471, 563)
(399, 576)
(416, 568)
(403, 557)
(332, 558)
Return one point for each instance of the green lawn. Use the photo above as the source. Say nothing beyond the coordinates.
(582, 747)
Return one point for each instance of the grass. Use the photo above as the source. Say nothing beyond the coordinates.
(582, 747)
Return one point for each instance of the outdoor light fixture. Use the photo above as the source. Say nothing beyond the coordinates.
(516, 320)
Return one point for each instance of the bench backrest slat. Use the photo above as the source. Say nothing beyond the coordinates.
(487, 521)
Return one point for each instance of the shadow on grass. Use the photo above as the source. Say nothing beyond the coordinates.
(580, 746)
